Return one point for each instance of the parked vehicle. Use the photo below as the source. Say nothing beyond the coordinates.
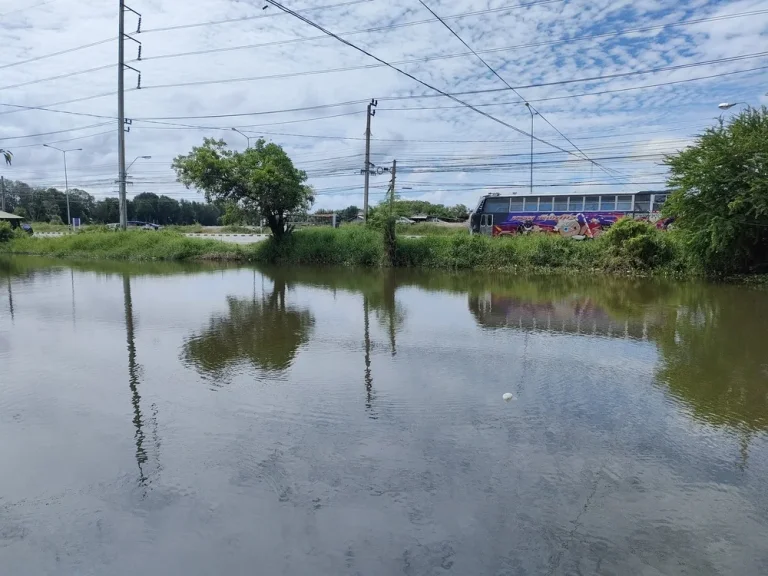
(577, 216)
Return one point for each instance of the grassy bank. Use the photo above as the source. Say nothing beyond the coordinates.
(361, 246)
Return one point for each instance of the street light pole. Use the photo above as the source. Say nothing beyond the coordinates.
(528, 106)
(66, 178)
(248, 138)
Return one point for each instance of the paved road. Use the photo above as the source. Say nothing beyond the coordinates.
(234, 238)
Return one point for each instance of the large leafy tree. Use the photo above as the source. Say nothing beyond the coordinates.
(261, 179)
(720, 194)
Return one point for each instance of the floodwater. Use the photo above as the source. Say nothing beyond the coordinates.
(162, 420)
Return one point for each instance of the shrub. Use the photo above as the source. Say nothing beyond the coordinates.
(56, 220)
(638, 244)
(6, 232)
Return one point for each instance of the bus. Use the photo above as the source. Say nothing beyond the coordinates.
(576, 216)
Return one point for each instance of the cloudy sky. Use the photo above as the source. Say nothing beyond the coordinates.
(624, 81)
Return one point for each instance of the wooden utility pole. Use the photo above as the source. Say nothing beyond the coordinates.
(2, 193)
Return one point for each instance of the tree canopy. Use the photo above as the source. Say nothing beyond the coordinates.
(261, 179)
(7, 155)
(409, 208)
(50, 204)
(720, 194)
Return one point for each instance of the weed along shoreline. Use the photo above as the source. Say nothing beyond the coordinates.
(650, 253)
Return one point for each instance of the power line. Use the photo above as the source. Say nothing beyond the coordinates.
(23, 8)
(508, 85)
(570, 96)
(59, 77)
(393, 65)
(506, 8)
(463, 15)
(65, 140)
(56, 132)
(246, 18)
(59, 53)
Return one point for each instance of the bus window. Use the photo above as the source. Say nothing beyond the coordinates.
(624, 203)
(643, 203)
(545, 204)
(608, 203)
(576, 203)
(561, 203)
(531, 204)
(591, 203)
(516, 205)
(496, 205)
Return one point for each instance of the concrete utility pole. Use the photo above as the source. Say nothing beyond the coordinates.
(121, 120)
(121, 114)
(367, 168)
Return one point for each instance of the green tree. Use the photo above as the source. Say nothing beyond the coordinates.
(233, 214)
(349, 213)
(261, 179)
(168, 210)
(7, 155)
(720, 194)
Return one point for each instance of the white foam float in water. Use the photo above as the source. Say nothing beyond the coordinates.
(507, 397)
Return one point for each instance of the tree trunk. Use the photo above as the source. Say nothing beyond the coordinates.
(277, 226)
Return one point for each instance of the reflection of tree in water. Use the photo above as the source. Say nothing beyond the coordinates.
(263, 331)
(713, 355)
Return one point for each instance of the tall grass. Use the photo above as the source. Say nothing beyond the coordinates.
(364, 247)
(131, 245)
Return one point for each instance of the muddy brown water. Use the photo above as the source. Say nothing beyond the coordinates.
(165, 419)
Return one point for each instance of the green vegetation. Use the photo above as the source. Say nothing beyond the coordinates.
(6, 232)
(132, 245)
(43, 205)
(365, 247)
(409, 208)
(720, 198)
(261, 180)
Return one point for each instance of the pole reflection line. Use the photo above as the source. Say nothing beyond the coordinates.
(133, 381)
(10, 298)
(369, 393)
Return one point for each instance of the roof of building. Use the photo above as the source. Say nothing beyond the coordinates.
(7, 216)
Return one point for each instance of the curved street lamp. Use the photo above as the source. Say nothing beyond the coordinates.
(727, 105)
(66, 179)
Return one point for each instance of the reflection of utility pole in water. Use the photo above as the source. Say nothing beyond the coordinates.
(390, 304)
(10, 297)
(745, 437)
(72, 275)
(133, 381)
(368, 377)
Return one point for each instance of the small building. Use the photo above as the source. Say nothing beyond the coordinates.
(12, 219)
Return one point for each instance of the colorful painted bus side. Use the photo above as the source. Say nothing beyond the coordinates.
(575, 216)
